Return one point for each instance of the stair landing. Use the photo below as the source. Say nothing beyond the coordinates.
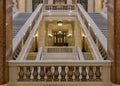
(60, 56)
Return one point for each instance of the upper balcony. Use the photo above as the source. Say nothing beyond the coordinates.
(59, 65)
(90, 29)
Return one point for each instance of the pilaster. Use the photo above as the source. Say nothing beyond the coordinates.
(5, 39)
(114, 38)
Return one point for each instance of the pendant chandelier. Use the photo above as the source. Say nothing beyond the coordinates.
(59, 23)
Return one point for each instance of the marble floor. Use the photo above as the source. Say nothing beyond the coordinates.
(60, 57)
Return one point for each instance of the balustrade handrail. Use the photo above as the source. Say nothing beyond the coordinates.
(39, 54)
(58, 47)
(25, 27)
(59, 71)
(80, 54)
(95, 29)
(59, 6)
(59, 9)
(28, 42)
(59, 62)
(93, 47)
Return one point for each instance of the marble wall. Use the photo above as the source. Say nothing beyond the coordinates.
(26, 5)
(5, 39)
(114, 38)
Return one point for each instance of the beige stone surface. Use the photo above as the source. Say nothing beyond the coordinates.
(29, 5)
(60, 56)
(5, 38)
(21, 5)
(114, 38)
(90, 6)
(98, 6)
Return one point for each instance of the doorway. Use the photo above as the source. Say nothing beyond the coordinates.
(60, 38)
(59, 1)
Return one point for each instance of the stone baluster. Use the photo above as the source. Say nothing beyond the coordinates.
(35, 73)
(21, 74)
(17, 51)
(49, 73)
(14, 56)
(56, 74)
(98, 73)
(28, 73)
(91, 73)
(42, 74)
(70, 73)
(77, 73)
(84, 74)
(63, 74)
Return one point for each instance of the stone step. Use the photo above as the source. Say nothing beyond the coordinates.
(19, 21)
(100, 21)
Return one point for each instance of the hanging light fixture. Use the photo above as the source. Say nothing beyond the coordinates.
(59, 23)
(60, 32)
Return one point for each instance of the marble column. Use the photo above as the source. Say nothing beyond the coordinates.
(5, 39)
(114, 38)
